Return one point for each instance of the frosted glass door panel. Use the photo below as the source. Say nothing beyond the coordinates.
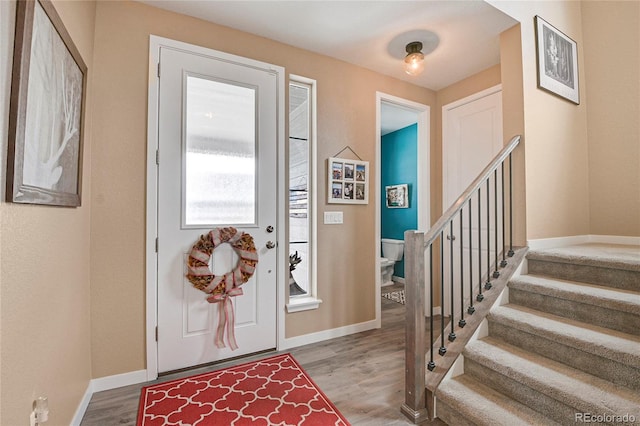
(220, 154)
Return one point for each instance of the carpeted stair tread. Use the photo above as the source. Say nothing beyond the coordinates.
(579, 390)
(621, 347)
(485, 406)
(591, 294)
(615, 256)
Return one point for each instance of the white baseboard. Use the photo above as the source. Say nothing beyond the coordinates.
(547, 243)
(437, 310)
(119, 380)
(319, 336)
(82, 408)
(106, 383)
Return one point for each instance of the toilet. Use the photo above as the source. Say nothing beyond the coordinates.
(392, 251)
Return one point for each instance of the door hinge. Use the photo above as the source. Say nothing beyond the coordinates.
(157, 157)
(156, 244)
(156, 333)
(158, 69)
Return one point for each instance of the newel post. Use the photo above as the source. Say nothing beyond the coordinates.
(414, 406)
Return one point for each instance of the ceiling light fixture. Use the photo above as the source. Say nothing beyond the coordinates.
(414, 61)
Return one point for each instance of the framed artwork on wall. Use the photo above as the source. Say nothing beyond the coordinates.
(557, 59)
(397, 196)
(46, 115)
(348, 181)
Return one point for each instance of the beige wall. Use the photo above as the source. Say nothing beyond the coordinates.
(467, 87)
(44, 279)
(612, 61)
(7, 27)
(513, 124)
(58, 331)
(556, 148)
(346, 116)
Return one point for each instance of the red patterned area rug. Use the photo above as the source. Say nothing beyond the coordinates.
(272, 391)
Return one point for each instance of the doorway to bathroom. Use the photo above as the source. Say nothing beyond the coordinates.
(402, 186)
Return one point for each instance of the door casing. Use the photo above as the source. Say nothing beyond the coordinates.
(424, 177)
(155, 44)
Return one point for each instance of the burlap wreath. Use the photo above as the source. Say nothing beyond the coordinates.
(199, 273)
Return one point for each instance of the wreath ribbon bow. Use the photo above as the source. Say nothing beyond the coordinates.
(226, 318)
(221, 288)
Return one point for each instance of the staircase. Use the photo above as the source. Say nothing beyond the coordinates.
(565, 350)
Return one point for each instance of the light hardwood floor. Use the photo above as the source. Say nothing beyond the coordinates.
(362, 374)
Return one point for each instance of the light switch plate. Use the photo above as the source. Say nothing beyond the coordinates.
(333, 218)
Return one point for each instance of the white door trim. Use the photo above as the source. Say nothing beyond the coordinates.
(151, 266)
(424, 176)
(479, 95)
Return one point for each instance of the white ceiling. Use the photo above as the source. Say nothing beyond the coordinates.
(460, 37)
(394, 117)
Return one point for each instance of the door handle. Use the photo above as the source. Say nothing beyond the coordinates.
(271, 244)
(451, 237)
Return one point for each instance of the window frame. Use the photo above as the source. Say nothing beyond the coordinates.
(308, 301)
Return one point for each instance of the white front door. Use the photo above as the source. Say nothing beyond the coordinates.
(472, 137)
(217, 165)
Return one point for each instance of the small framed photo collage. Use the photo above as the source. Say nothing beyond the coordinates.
(348, 181)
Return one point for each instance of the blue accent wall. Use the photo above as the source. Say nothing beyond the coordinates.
(399, 151)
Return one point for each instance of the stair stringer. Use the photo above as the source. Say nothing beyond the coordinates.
(481, 330)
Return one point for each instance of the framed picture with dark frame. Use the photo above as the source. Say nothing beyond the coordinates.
(348, 181)
(46, 115)
(557, 60)
(397, 196)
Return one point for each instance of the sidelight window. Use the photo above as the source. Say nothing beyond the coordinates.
(302, 173)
